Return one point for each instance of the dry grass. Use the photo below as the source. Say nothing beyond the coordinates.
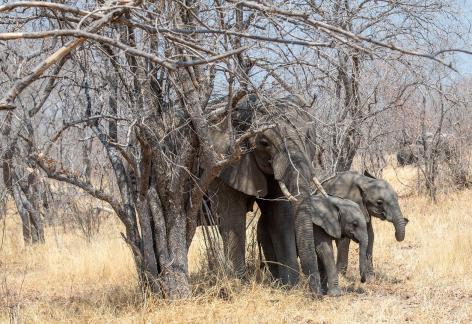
(426, 278)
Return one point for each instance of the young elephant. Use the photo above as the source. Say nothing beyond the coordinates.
(332, 218)
(376, 198)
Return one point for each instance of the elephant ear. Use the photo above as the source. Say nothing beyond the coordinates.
(348, 185)
(358, 196)
(326, 215)
(245, 176)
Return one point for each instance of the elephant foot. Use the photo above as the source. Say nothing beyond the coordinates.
(289, 280)
(324, 285)
(315, 286)
(287, 284)
(293, 279)
(334, 292)
(324, 290)
(369, 277)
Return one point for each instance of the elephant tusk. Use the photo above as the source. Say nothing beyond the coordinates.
(319, 187)
(286, 193)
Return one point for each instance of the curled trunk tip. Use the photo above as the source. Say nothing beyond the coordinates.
(363, 260)
(399, 236)
(400, 229)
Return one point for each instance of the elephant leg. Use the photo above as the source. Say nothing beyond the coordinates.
(323, 276)
(278, 221)
(324, 251)
(231, 206)
(233, 233)
(343, 254)
(263, 237)
(370, 248)
(307, 253)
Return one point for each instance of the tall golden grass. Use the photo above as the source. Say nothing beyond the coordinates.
(426, 278)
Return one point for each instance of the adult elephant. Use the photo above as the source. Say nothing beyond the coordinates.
(427, 146)
(407, 155)
(277, 173)
(376, 198)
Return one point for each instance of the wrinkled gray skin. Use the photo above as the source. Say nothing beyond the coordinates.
(376, 198)
(279, 155)
(332, 218)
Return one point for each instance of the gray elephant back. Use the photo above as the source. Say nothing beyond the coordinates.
(345, 185)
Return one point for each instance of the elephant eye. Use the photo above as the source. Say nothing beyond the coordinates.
(355, 223)
(264, 142)
(379, 202)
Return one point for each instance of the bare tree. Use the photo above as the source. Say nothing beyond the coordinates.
(137, 83)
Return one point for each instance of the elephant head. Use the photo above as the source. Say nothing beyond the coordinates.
(381, 200)
(277, 153)
(342, 218)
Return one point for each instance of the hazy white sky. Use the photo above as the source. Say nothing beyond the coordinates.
(464, 65)
(464, 61)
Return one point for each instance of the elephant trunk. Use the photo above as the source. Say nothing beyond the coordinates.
(306, 245)
(363, 259)
(394, 215)
(400, 223)
(294, 172)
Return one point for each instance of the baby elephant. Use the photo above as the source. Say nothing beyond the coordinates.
(376, 198)
(332, 218)
(347, 221)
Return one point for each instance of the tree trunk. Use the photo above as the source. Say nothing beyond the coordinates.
(33, 230)
(25, 194)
